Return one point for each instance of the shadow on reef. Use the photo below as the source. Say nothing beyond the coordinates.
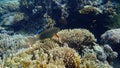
(66, 14)
(95, 23)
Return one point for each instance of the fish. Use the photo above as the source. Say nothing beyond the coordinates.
(56, 37)
(47, 33)
(94, 21)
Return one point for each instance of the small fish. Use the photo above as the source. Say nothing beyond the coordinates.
(56, 37)
(94, 21)
(47, 33)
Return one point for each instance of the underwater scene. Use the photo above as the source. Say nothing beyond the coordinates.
(59, 33)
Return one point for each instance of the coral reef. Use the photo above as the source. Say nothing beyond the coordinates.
(89, 58)
(112, 37)
(53, 13)
(12, 18)
(8, 6)
(47, 33)
(71, 59)
(30, 35)
(63, 57)
(52, 53)
(114, 22)
(76, 37)
(12, 44)
(89, 10)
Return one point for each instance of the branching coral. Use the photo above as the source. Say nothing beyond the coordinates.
(52, 53)
(62, 57)
(69, 56)
(9, 6)
(76, 37)
(58, 11)
(57, 57)
(89, 60)
(43, 45)
(11, 44)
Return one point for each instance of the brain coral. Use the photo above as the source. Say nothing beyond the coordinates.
(76, 37)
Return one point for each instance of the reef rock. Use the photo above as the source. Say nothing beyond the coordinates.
(7, 6)
(112, 37)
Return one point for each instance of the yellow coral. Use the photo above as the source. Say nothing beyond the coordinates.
(76, 37)
(70, 57)
(89, 10)
(48, 54)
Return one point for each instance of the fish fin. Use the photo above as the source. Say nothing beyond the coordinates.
(56, 37)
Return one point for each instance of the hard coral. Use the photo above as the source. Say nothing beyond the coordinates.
(61, 57)
(8, 6)
(89, 10)
(12, 18)
(90, 60)
(70, 57)
(76, 37)
(13, 43)
(111, 37)
(47, 53)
